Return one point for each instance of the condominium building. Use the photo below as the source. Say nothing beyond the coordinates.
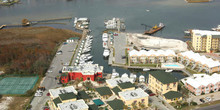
(204, 40)
(151, 56)
(199, 63)
(134, 96)
(202, 83)
(161, 83)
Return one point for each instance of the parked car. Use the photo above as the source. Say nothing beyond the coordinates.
(49, 71)
(208, 99)
(201, 100)
(152, 94)
(66, 64)
(48, 94)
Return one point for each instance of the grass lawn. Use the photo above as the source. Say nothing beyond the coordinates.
(193, 71)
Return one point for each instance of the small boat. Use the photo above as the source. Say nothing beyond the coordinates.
(147, 10)
(141, 78)
(105, 45)
(106, 53)
(146, 69)
(114, 74)
(105, 37)
(125, 75)
(132, 77)
(217, 28)
(154, 29)
(168, 70)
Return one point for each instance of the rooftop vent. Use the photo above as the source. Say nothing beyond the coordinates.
(73, 107)
(133, 94)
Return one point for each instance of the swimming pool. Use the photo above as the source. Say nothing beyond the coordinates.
(173, 65)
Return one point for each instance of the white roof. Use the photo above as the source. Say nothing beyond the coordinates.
(198, 80)
(83, 19)
(116, 81)
(205, 32)
(133, 94)
(55, 92)
(74, 105)
(202, 59)
(85, 69)
(152, 52)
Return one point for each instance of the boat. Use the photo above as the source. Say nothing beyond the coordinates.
(217, 28)
(114, 74)
(141, 78)
(125, 75)
(105, 45)
(147, 10)
(133, 77)
(146, 69)
(104, 37)
(168, 70)
(154, 29)
(106, 53)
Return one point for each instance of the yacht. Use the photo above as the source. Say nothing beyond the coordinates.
(124, 75)
(146, 69)
(217, 28)
(114, 74)
(141, 78)
(106, 53)
(104, 37)
(132, 77)
(105, 45)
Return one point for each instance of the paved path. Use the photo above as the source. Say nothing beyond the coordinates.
(212, 107)
(120, 43)
(49, 81)
(157, 103)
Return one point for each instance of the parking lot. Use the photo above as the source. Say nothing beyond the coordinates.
(206, 98)
(120, 43)
(49, 81)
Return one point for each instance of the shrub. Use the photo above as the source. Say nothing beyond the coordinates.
(193, 103)
(211, 91)
(202, 93)
(29, 92)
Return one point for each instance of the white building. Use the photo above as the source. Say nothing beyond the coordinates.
(54, 93)
(74, 105)
(114, 82)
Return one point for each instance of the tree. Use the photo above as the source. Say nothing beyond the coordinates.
(141, 105)
(125, 107)
(134, 106)
(25, 22)
(76, 82)
(30, 92)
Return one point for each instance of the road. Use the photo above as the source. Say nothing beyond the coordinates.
(49, 80)
(212, 107)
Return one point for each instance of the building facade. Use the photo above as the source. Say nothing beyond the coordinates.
(199, 63)
(204, 40)
(84, 72)
(152, 56)
(200, 84)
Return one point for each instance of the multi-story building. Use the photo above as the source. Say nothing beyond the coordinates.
(151, 56)
(134, 96)
(197, 62)
(204, 40)
(104, 92)
(202, 83)
(84, 72)
(161, 82)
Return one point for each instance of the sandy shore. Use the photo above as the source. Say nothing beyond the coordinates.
(151, 42)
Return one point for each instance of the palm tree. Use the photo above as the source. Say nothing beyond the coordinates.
(141, 105)
(125, 107)
(134, 106)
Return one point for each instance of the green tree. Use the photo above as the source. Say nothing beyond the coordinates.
(77, 81)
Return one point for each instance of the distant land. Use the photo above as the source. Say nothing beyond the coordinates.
(29, 50)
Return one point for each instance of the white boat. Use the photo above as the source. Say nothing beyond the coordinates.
(105, 45)
(217, 28)
(114, 74)
(90, 62)
(147, 10)
(168, 71)
(133, 77)
(75, 21)
(141, 78)
(125, 75)
(104, 37)
(146, 69)
(106, 53)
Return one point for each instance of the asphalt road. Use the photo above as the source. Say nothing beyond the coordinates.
(212, 107)
(49, 80)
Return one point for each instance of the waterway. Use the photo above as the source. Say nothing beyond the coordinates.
(177, 15)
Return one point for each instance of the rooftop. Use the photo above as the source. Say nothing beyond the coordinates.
(98, 102)
(172, 94)
(116, 104)
(205, 32)
(62, 90)
(104, 91)
(82, 95)
(133, 94)
(114, 82)
(163, 76)
(152, 53)
(57, 101)
(202, 59)
(116, 90)
(126, 85)
(67, 96)
(74, 105)
(93, 107)
(86, 69)
(198, 80)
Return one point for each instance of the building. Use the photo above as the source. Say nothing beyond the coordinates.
(161, 83)
(66, 98)
(134, 96)
(151, 56)
(197, 62)
(202, 83)
(115, 81)
(204, 40)
(72, 39)
(171, 96)
(104, 92)
(116, 104)
(126, 86)
(84, 72)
